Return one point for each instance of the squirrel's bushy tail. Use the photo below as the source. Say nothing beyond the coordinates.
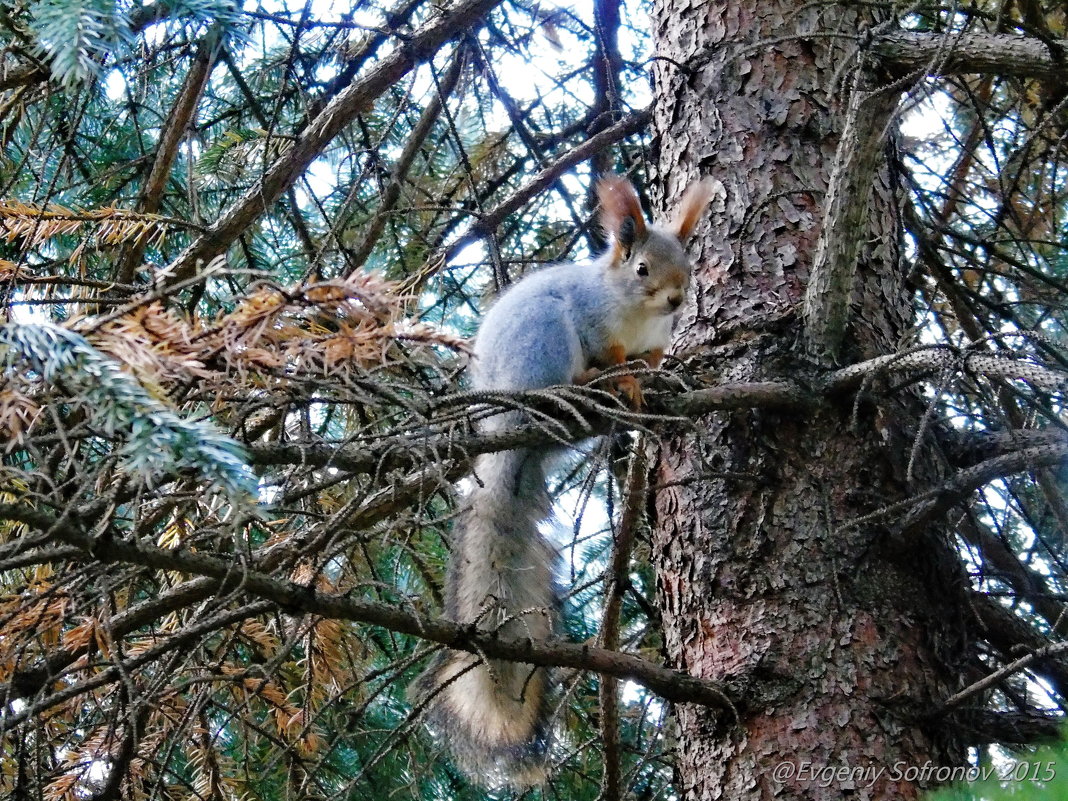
(494, 716)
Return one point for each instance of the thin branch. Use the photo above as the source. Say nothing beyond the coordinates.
(485, 224)
(1000, 675)
(416, 141)
(1010, 634)
(171, 136)
(288, 595)
(1004, 565)
(287, 169)
(617, 582)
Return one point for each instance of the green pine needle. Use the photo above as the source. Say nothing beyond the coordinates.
(158, 441)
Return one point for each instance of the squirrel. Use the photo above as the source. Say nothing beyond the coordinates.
(556, 326)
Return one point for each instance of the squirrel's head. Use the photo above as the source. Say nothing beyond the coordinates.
(649, 260)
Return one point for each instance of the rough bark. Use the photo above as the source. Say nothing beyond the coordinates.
(848, 634)
(937, 54)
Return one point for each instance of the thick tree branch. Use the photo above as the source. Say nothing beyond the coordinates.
(967, 448)
(940, 500)
(941, 359)
(566, 414)
(859, 156)
(948, 54)
(985, 726)
(830, 287)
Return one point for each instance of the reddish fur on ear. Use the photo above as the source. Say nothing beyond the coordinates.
(691, 207)
(618, 202)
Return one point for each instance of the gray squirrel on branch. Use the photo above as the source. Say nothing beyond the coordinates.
(559, 325)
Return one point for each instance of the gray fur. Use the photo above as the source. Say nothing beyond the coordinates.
(556, 323)
(548, 329)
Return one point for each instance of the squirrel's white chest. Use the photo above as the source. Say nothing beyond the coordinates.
(640, 333)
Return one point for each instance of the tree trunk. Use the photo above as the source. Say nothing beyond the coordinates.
(844, 637)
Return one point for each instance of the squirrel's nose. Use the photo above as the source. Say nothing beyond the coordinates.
(674, 301)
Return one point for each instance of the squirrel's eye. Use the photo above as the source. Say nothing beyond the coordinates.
(643, 269)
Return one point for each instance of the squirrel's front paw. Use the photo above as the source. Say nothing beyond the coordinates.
(626, 385)
(654, 357)
(630, 389)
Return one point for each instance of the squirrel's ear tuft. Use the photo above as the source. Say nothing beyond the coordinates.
(621, 212)
(691, 207)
